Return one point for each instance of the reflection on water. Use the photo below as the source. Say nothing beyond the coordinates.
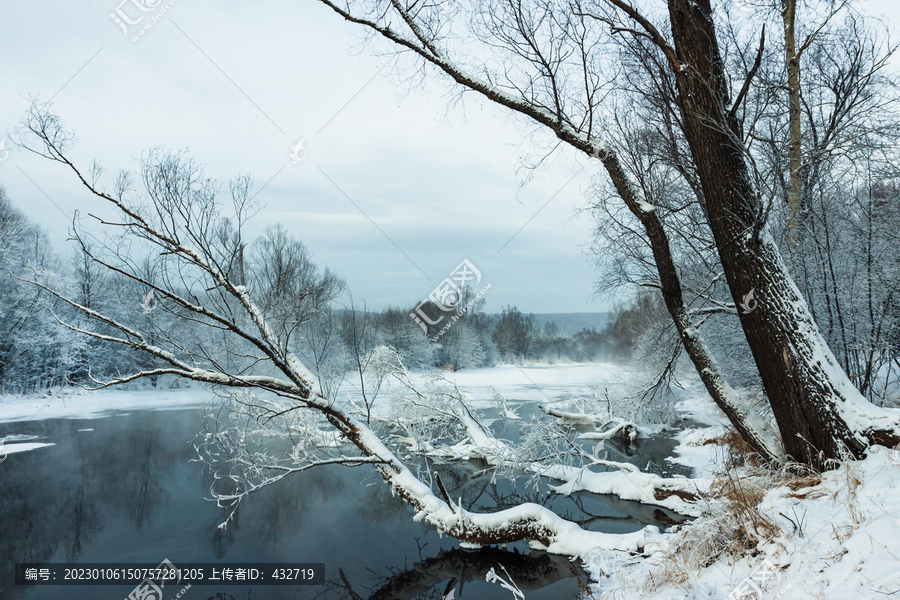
(454, 569)
(127, 491)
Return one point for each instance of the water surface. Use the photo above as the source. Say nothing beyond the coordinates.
(128, 491)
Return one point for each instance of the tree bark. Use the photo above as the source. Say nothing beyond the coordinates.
(820, 413)
(752, 428)
(792, 62)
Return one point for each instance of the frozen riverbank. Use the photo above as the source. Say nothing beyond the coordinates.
(828, 537)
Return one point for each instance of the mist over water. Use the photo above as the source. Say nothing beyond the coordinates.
(126, 488)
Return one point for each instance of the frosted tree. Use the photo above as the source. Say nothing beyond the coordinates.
(400, 332)
(297, 299)
(175, 220)
(462, 346)
(555, 64)
(34, 352)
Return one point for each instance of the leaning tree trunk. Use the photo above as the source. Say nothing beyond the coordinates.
(753, 429)
(820, 413)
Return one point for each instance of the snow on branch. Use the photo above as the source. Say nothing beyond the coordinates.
(173, 240)
(629, 483)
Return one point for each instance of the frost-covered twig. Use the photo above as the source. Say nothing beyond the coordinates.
(507, 584)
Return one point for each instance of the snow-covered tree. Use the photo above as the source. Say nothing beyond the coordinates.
(400, 332)
(558, 65)
(176, 218)
(34, 352)
(462, 346)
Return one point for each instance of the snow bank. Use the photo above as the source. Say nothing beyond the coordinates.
(78, 404)
(838, 539)
(695, 450)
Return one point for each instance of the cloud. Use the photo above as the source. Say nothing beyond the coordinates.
(238, 84)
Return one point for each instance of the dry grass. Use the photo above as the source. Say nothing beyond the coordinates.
(737, 452)
(847, 495)
(733, 527)
(796, 484)
(801, 482)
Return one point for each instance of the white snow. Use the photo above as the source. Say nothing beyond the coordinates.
(6, 449)
(533, 383)
(92, 405)
(845, 548)
(625, 429)
(694, 451)
(630, 484)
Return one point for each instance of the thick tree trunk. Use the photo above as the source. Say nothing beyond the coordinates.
(752, 428)
(819, 412)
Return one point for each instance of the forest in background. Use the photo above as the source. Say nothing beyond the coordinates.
(337, 333)
(849, 282)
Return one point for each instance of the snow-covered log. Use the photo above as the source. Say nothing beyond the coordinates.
(572, 417)
(629, 483)
(625, 430)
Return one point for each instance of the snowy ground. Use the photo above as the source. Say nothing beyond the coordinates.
(839, 539)
(538, 383)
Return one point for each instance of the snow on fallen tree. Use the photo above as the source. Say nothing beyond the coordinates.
(626, 430)
(613, 427)
(572, 417)
(629, 483)
(215, 323)
(614, 417)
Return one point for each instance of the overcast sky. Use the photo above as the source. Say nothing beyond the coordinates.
(396, 189)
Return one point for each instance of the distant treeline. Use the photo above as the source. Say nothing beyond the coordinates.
(317, 317)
